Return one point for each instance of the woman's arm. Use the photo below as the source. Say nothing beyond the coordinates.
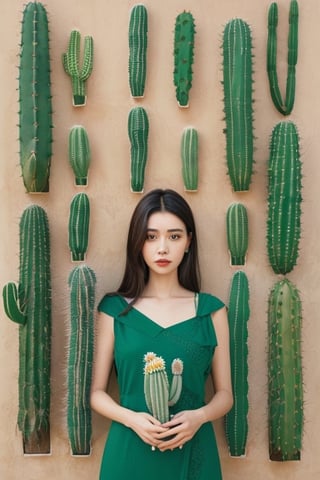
(186, 423)
(142, 423)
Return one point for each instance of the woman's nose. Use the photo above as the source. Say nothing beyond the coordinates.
(162, 248)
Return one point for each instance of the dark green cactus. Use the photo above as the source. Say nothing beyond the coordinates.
(236, 423)
(237, 233)
(237, 84)
(138, 41)
(189, 157)
(285, 392)
(79, 154)
(71, 63)
(159, 395)
(35, 114)
(79, 220)
(29, 305)
(138, 131)
(183, 56)
(283, 106)
(284, 200)
(82, 283)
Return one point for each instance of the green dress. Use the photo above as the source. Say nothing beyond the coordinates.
(193, 340)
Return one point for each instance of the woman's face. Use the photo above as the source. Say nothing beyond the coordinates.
(166, 242)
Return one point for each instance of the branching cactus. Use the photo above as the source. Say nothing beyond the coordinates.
(35, 114)
(79, 220)
(285, 393)
(29, 305)
(159, 394)
(236, 423)
(237, 233)
(138, 131)
(138, 41)
(82, 283)
(79, 154)
(71, 63)
(283, 106)
(237, 84)
(284, 199)
(183, 56)
(189, 157)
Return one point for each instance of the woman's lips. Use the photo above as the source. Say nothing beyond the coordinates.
(163, 262)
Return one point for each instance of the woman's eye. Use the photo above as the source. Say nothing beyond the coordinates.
(174, 236)
(151, 236)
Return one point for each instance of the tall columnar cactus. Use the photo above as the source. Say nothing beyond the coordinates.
(138, 41)
(237, 84)
(183, 56)
(283, 106)
(285, 393)
(237, 233)
(79, 154)
(29, 305)
(159, 395)
(35, 114)
(189, 157)
(284, 187)
(138, 131)
(82, 283)
(79, 220)
(71, 63)
(236, 423)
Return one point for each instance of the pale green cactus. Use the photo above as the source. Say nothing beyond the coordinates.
(79, 154)
(189, 157)
(159, 395)
(71, 63)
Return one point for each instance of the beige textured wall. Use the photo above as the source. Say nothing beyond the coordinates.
(105, 118)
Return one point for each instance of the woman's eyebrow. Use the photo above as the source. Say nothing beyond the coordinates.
(169, 230)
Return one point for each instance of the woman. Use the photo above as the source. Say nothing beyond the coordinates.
(158, 311)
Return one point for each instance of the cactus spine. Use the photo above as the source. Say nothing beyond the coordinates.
(285, 393)
(284, 107)
(138, 131)
(159, 394)
(236, 423)
(79, 226)
(237, 233)
(71, 63)
(82, 282)
(189, 157)
(35, 114)
(284, 199)
(29, 305)
(138, 41)
(237, 84)
(183, 56)
(79, 154)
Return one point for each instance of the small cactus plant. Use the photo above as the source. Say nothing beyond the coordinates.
(237, 233)
(79, 154)
(236, 423)
(138, 41)
(71, 63)
(237, 84)
(35, 114)
(285, 392)
(189, 157)
(79, 220)
(138, 131)
(284, 198)
(283, 106)
(183, 56)
(82, 282)
(158, 394)
(29, 305)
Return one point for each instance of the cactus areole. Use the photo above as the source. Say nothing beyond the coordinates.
(285, 392)
(35, 114)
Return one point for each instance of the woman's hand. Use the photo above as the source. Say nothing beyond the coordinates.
(147, 427)
(183, 427)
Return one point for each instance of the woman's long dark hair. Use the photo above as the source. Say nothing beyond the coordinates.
(136, 274)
